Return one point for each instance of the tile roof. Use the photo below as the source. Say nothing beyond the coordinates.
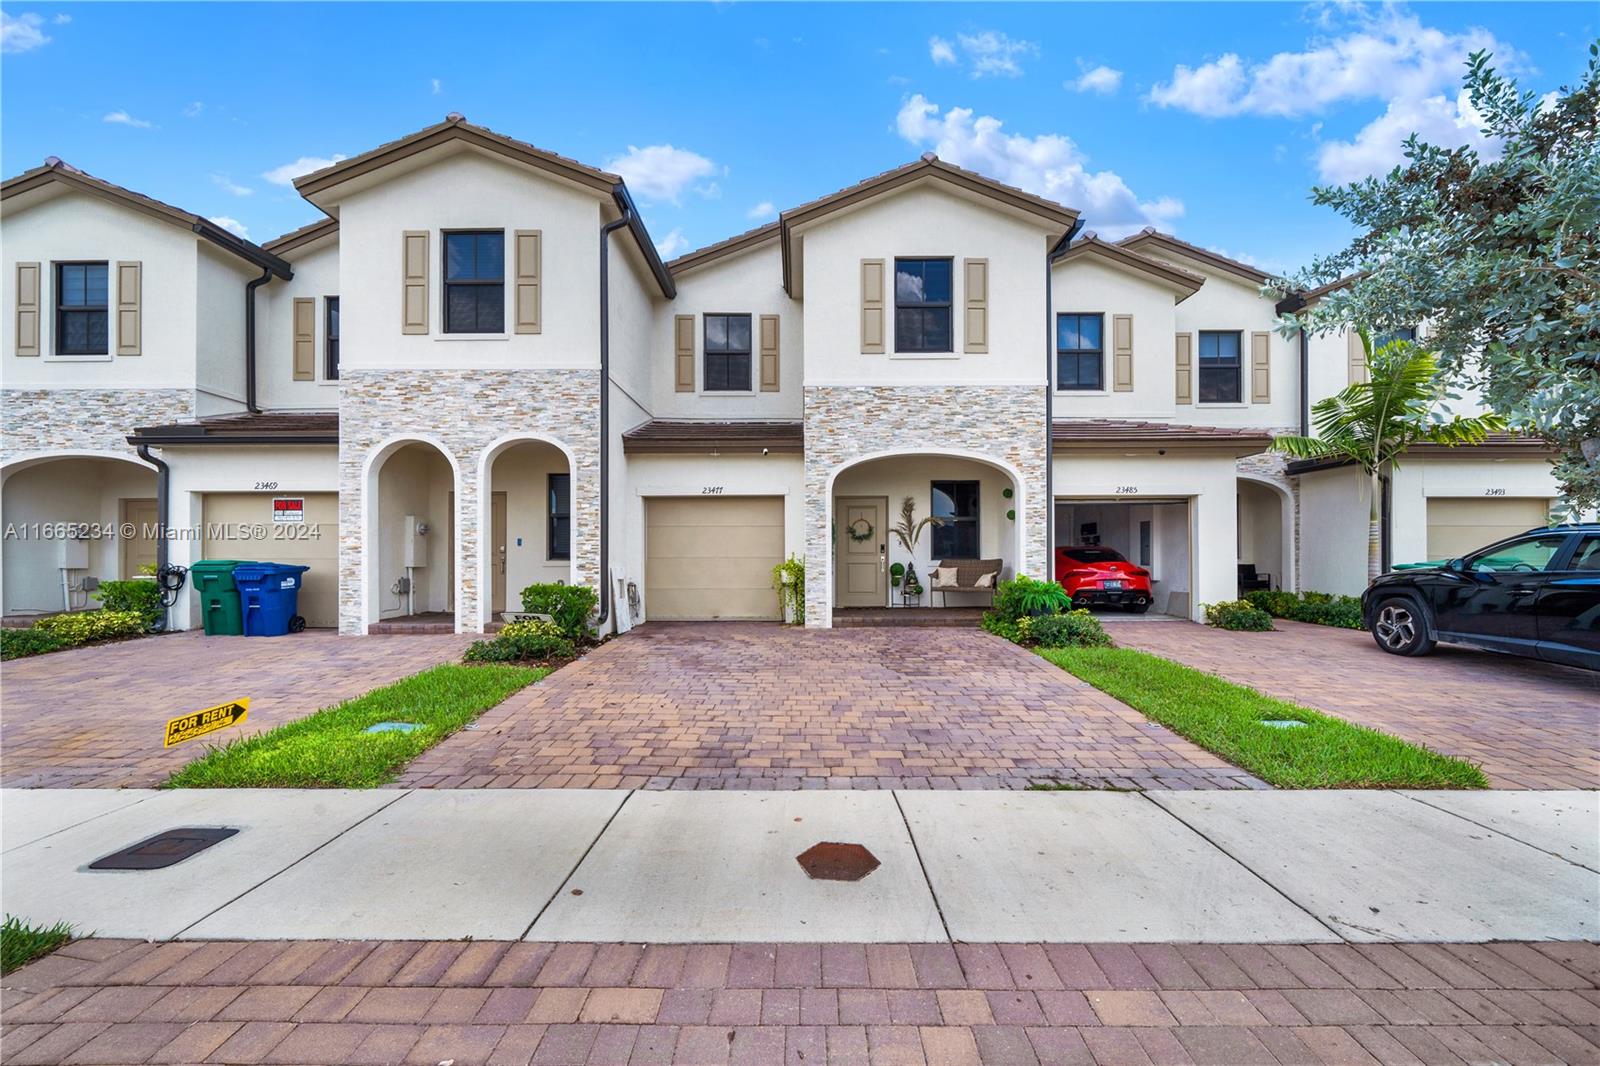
(669, 435)
(287, 427)
(1119, 431)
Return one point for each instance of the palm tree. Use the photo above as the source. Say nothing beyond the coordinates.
(909, 531)
(1372, 423)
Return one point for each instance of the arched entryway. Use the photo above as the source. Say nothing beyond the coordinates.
(525, 513)
(981, 506)
(72, 519)
(411, 533)
(1266, 534)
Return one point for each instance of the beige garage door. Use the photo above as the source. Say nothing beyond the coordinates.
(313, 543)
(1457, 526)
(712, 557)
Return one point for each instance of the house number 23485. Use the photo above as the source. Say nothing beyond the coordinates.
(1127, 490)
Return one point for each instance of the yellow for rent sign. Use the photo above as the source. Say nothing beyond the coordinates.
(198, 724)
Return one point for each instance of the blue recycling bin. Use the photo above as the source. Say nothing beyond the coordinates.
(269, 594)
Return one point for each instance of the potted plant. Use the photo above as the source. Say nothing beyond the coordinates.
(896, 572)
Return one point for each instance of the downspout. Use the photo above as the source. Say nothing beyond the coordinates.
(163, 482)
(605, 411)
(250, 339)
(1056, 252)
(1305, 384)
(1385, 548)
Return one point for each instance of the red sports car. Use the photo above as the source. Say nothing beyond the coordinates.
(1096, 576)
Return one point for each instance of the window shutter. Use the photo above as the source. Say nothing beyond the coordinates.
(414, 291)
(130, 281)
(1356, 356)
(305, 338)
(1260, 368)
(1122, 353)
(872, 309)
(27, 309)
(976, 277)
(529, 250)
(683, 352)
(1184, 362)
(769, 353)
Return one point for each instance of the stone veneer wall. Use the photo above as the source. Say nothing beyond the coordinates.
(1272, 466)
(846, 423)
(466, 411)
(48, 420)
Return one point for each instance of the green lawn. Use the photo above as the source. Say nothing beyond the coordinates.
(330, 749)
(1226, 719)
(21, 943)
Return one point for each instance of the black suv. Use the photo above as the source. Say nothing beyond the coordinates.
(1536, 595)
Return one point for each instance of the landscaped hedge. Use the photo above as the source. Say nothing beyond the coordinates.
(1239, 616)
(569, 606)
(21, 643)
(1318, 608)
(141, 597)
(531, 641)
(1037, 613)
(87, 627)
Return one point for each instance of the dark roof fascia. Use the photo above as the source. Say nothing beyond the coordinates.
(641, 237)
(1194, 251)
(303, 236)
(731, 246)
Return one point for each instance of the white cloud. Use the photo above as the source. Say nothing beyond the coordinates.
(1380, 143)
(61, 20)
(1102, 79)
(660, 172)
(672, 245)
(21, 33)
(226, 184)
(438, 86)
(1048, 164)
(761, 212)
(122, 118)
(987, 54)
(232, 225)
(286, 174)
(193, 110)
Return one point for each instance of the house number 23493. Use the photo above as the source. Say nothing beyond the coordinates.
(1494, 492)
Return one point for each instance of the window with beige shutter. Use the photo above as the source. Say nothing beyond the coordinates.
(1355, 356)
(1122, 353)
(1260, 368)
(872, 307)
(414, 284)
(975, 276)
(1183, 363)
(529, 250)
(27, 323)
(683, 353)
(305, 338)
(130, 286)
(769, 353)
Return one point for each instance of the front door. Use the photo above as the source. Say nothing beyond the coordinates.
(139, 549)
(861, 546)
(497, 527)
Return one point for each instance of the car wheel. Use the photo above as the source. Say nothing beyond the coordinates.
(1399, 628)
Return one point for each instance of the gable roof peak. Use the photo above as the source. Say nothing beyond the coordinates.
(930, 157)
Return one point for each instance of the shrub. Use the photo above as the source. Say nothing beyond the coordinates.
(1277, 604)
(141, 597)
(792, 593)
(993, 623)
(569, 606)
(1238, 615)
(87, 627)
(1026, 597)
(21, 643)
(1318, 608)
(535, 641)
(1074, 629)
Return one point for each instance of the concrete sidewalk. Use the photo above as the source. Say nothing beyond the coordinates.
(678, 867)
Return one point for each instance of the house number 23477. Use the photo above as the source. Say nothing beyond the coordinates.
(711, 490)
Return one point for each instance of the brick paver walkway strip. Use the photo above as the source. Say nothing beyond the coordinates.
(100, 1001)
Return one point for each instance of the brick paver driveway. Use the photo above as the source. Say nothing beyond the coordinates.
(760, 706)
(93, 717)
(1530, 724)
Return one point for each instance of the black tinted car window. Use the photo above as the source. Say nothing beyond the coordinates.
(1587, 557)
(1523, 555)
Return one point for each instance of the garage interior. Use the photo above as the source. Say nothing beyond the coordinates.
(1154, 533)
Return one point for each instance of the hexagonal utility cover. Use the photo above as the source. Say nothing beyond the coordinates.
(829, 861)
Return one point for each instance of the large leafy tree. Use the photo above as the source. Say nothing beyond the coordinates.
(1497, 254)
(1373, 422)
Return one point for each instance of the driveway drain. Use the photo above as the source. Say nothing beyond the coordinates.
(392, 727)
(164, 849)
(830, 861)
(1282, 723)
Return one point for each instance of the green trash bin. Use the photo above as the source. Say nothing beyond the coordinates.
(219, 597)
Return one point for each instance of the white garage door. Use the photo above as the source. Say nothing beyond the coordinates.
(1457, 526)
(712, 557)
(313, 542)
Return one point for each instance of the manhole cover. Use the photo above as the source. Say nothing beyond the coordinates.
(829, 861)
(163, 849)
(392, 727)
(1282, 723)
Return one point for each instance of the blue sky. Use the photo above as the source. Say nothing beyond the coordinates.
(1209, 120)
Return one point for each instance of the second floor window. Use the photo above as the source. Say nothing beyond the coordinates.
(922, 305)
(1405, 333)
(727, 353)
(1219, 366)
(1080, 352)
(560, 531)
(957, 536)
(82, 321)
(331, 332)
(475, 281)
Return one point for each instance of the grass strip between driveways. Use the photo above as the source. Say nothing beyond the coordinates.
(21, 943)
(1226, 718)
(330, 749)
